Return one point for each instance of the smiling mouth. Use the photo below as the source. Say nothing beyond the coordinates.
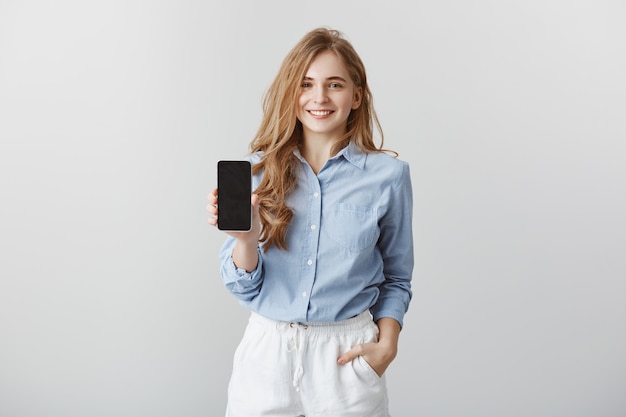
(320, 112)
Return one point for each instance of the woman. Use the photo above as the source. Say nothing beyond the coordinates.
(326, 268)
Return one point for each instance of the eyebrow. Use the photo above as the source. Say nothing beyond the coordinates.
(333, 78)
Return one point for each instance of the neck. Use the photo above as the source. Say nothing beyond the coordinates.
(316, 153)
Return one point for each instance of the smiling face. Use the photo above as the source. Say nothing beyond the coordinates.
(327, 96)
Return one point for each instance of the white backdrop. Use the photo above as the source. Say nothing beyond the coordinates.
(113, 115)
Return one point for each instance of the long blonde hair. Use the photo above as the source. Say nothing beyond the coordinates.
(281, 132)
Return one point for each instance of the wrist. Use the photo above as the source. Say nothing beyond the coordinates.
(389, 333)
(390, 344)
(245, 255)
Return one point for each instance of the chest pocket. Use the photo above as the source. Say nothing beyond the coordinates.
(353, 227)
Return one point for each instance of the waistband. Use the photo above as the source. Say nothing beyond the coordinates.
(354, 324)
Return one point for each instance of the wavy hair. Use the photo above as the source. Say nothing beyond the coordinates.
(280, 131)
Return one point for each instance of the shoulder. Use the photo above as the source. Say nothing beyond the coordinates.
(255, 157)
(383, 162)
(388, 170)
(377, 161)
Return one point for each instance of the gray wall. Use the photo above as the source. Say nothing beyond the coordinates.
(113, 115)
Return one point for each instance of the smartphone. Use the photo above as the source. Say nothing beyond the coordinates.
(234, 188)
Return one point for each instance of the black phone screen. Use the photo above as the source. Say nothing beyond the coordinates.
(234, 186)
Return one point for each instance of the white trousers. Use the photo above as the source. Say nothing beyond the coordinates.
(283, 369)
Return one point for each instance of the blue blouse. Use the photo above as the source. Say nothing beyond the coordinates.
(350, 244)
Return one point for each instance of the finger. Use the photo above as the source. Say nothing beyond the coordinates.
(212, 206)
(212, 209)
(350, 355)
(254, 200)
(212, 197)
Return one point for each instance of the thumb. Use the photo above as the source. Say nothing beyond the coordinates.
(350, 355)
(254, 201)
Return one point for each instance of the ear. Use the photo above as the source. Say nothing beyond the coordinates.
(356, 101)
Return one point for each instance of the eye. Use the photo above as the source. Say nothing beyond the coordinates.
(335, 85)
(305, 84)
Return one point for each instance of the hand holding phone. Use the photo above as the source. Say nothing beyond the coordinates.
(234, 187)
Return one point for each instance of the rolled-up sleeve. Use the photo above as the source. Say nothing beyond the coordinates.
(242, 284)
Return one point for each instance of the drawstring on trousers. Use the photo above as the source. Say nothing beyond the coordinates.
(295, 344)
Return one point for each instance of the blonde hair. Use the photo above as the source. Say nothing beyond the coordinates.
(280, 131)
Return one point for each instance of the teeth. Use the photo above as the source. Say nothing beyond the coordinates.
(320, 112)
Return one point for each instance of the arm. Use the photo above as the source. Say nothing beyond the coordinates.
(396, 245)
(241, 263)
(245, 253)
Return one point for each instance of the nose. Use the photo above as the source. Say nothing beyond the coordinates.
(320, 95)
